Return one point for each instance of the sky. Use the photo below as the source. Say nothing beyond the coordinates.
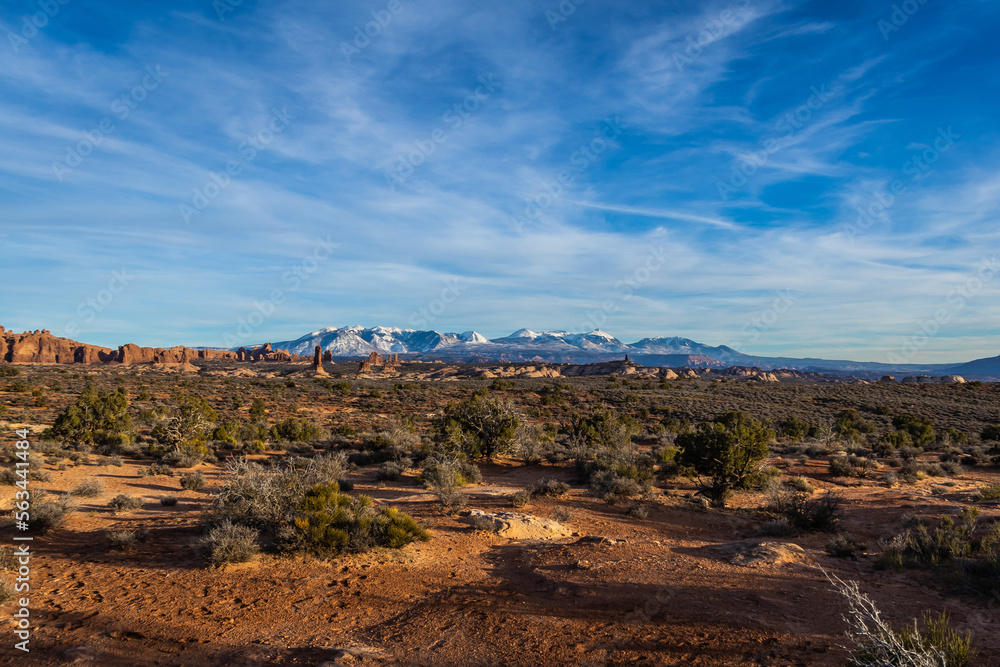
(786, 178)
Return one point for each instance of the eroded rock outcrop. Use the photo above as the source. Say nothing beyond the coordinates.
(376, 362)
(618, 368)
(41, 347)
(317, 365)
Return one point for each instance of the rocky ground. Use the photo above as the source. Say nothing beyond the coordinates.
(683, 585)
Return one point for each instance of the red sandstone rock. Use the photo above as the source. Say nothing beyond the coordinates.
(41, 347)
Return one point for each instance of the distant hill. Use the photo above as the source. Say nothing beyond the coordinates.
(984, 367)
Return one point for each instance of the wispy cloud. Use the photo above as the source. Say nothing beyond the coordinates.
(678, 216)
(701, 89)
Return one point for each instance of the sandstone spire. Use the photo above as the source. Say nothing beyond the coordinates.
(318, 361)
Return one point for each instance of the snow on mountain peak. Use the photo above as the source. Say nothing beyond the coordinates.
(359, 341)
(472, 337)
(524, 333)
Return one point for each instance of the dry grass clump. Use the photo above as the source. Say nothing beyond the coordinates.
(194, 481)
(48, 513)
(7, 592)
(231, 543)
(90, 488)
(990, 492)
(124, 502)
(549, 487)
(125, 540)
(445, 476)
(798, 513)
(876, 644)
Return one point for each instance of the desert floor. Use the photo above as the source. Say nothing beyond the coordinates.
(686, 585)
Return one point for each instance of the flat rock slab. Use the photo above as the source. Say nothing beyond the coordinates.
(759, 554)
(516, 526)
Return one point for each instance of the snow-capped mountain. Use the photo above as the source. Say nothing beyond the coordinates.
(357, 341)
(521, 345)
(558, 347)
(675, 345)
(473, 337)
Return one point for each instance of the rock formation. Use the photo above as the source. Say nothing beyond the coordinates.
(317, 366)
(375, 363)
(41, 347)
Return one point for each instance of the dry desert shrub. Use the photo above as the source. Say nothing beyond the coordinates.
(193, 482)
(48, 513)
(230, 543)
(607, 459)
(124, 502)
(125, 540)
(392, 470)
(876, 644)
(549, 487)
(88, 489)
(445, 477)
(990, 492)
(7, 592)
(301, 507)
(562, 515)
(520, 498)
(803, 514)
(327, 523)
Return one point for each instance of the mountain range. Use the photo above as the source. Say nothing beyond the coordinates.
(576, 348)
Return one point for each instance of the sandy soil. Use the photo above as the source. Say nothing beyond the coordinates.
(665, 590)
(687, 585)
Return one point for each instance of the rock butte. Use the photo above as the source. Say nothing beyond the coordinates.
(376, 363)
(41, 347)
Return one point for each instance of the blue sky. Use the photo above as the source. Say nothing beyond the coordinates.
(209, 172)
